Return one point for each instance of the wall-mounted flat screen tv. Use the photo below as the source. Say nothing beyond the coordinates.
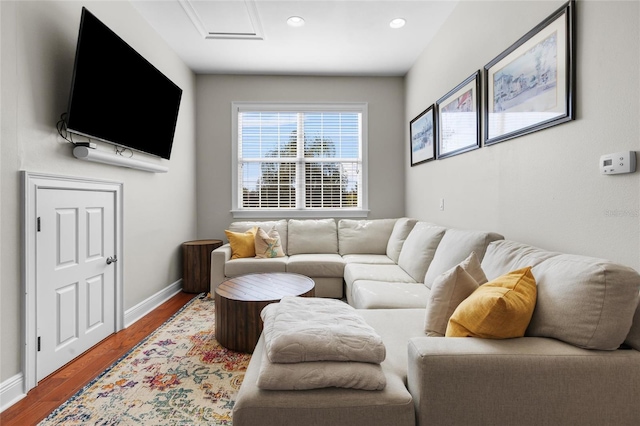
(119, 97)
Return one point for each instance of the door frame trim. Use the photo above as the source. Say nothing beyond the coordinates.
(31, 183)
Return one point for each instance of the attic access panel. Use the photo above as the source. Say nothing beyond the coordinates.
(224, 19)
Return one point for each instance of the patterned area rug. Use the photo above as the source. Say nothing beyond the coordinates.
(179, 375)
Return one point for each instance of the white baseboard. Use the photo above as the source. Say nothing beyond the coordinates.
(12, 390)
(143, 308)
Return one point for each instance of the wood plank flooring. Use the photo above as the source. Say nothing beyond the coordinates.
(55, 389)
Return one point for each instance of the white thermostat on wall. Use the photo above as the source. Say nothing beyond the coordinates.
(618, 162)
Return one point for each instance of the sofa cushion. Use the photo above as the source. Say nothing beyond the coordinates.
(499, 309)
(584, 301)
(364, 236)
(372, 259)
(406, 324)
(316, 265)
(633, 338)
(503, 256)
(384, 273)
(251, 265)
(387, 273)
(419, 248)
(242, 243)
(448, 291)
(455, 246)
(366, 294)
(279, 225)
(268, 245)
(401, 230)
(312, 236)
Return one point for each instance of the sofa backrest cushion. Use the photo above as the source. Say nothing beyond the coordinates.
(584, 301)
(633, 338)
(503, 256)
(312, 236)
(419, 248)
(280, 226)
(456, 246)
(364, 236)
(400, 232)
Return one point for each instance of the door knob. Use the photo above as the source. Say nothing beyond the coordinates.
(112, 259)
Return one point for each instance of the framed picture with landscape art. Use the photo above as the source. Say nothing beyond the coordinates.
(458, 121)
(530, 86)
(422, 130)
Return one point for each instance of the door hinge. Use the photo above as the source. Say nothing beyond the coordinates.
(38, 343)
(38, 224)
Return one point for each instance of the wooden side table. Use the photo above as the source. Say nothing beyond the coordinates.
(196, 265)
(240, 300)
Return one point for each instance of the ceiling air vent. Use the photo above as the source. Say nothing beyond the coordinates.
(224, 19)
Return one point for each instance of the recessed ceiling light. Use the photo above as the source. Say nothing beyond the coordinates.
(295, 21)
(397, 23)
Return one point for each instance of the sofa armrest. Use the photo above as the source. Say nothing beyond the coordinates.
(524, 381)
(218, 258)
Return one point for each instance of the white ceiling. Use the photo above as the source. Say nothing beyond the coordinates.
(340, 37)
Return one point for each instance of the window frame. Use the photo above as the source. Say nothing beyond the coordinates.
(238, 211)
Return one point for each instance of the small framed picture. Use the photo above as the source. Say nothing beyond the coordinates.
(458, 120)
(530, 86)
(422, 130)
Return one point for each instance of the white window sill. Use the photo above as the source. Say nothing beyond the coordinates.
(294, 214)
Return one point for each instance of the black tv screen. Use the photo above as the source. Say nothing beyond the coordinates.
(117, 96)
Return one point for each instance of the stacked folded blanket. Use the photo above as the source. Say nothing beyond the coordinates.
(315, 343)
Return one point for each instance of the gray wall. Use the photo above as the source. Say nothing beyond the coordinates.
(545, 188)
(215, 93)
(38, 48)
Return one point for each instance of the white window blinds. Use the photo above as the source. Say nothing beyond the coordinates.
(299, 160)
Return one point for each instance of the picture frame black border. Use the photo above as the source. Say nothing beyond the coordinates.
(568, 9)
(432, 110)
(439, 154)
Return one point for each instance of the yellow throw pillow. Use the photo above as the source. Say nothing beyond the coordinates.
(499, 309)
(242, 243)
(268, 245)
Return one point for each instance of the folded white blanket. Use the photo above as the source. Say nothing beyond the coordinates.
(320, 374)
(300, 329)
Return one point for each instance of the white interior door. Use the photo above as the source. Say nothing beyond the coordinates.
(75, 280)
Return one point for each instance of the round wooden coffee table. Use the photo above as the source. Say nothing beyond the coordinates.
(240, 300)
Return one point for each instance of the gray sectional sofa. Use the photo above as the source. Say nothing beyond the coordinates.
(579, 362)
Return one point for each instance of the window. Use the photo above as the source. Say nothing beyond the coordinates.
(299, 160)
